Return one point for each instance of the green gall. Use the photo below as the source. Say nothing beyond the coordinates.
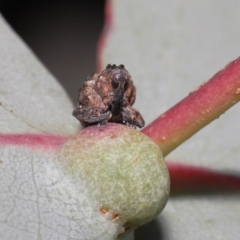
(122, 169)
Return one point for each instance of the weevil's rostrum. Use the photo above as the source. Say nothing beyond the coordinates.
(108, 97)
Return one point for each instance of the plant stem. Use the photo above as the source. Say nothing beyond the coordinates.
(31, 140)
(198, 109)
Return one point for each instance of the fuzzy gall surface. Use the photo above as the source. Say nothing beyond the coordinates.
(123, 170)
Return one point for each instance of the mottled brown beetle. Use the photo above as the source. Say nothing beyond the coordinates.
(108, 97)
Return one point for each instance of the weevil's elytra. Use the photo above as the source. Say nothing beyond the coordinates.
(108, 97)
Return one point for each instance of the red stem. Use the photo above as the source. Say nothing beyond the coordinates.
(190, 179)
(199, 108)
(42, 141)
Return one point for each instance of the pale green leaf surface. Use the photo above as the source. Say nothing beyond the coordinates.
(36, 201)
(28, 92)
(170, 48)
(69, 193)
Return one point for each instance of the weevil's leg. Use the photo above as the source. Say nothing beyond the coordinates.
(129, 94)
(133, 96)
(91, 116)
(76, 112)
(132, 117)
(102, 118)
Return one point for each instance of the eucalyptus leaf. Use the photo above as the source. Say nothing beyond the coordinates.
(36, 201)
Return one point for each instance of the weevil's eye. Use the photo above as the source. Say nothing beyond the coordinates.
(115, 83)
